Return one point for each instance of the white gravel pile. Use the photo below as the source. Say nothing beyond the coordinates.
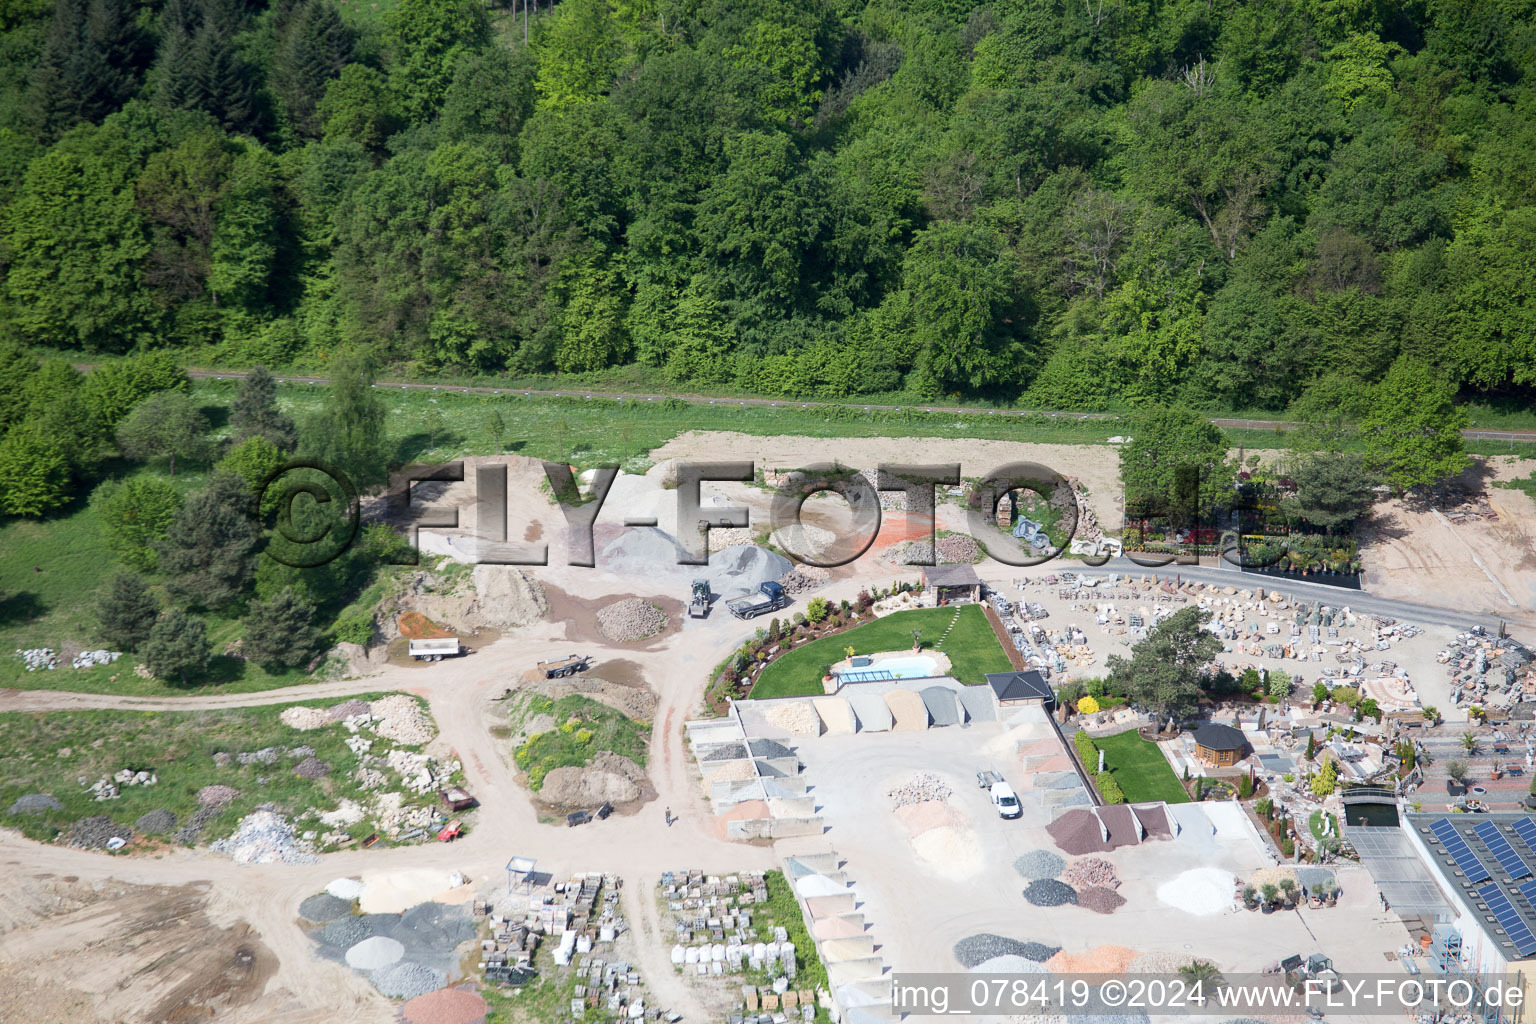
(39, 658)
(1203, 892)
(1009, 965)
(374, 953)
(263, 838)
(406, 980)
(920, 788)
(401, 719)
(85, 659)
(630, 619)
(804, 540)
(345, 888)
(305, 719)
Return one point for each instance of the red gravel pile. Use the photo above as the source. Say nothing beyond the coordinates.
(1100, 900)
(1090, 872)
(446, 1006)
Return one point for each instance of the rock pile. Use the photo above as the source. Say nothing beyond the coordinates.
(264, 838)
(94, 833)
(312, 768)
(189, 832)
(958, 548)
(401, 719)
(349, 708)
(1090, 872)
(804, 578)
(630, 619)
(36, 658)
(305, 719)
(921, 787)
(85, 659)
(1048, 892)
(216, 795)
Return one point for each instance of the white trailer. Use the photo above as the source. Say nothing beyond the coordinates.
(436, 649)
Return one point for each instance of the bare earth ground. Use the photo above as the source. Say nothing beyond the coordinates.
(79, 938)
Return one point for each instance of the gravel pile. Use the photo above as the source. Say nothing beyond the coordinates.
(263, 838)
(1039, 864)
(432, 933)
(349, 931)
(726, 752)
(156, 822)
(804, 578)
(406, 980)
(35, 803)
(978, 949)
(345, 888)
(919, 788)
(312, 768)
(324, 908)
(1047, 892)
(1090, 872)
(217, 796)
(447, 1006)
(94, 832)
(1100, 900)
(769, 749)
(304, 719)
(194, 826)
(266, 755)
(630, 619)
(401, 719)
(1009, 965)
(375, 953)
(958, 548)
(347, 709)
(300, 752)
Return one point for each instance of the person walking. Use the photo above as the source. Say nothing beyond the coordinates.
(669, 817)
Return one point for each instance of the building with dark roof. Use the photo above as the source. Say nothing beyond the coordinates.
(1220, 745)
(1485, 867)
(951, 583)
(1019, 689)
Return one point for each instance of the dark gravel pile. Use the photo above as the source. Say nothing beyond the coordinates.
(155, 823)
(432, 932)
(349, 931)
(92, 833)
(189, 832)
(1047, 892)
(406, 980)
(1039, 864)
(35, 803)
(347, 709)
(770, 748)
(727, 752)
(312, 768)
(1100, 900)
(323, 908)
(978, 949)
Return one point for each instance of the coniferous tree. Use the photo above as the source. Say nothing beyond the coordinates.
(127, 612)
(349, 431)
(280, 633)
(177, 646)
(221, 83)
(209, 554)
(313, 46)
(91, 63)
(256, 413)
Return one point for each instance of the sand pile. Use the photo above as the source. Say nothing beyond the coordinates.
(797, 717)
(508, 597)
(400, 718)
(630, 619)
(836, 714)
(951, 852)
(304, 719)
(908, 712)
(1201, 891)
(1098, 960)
(920, 817)
(592, 785)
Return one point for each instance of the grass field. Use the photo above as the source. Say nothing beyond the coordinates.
(1141, 769)
(584, 728)
(972, 648)
(50, 752)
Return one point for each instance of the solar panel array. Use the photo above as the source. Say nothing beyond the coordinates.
(1509, 918)
(1460, 852)
(1509, 859)
(1525, 828)
(1528, 890)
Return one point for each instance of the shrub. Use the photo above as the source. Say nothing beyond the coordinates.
(1087, 750)
(583, 735)
(1245, 787)
(1319, 692)
(1265, 808)
(1087, 706)
(1109, 789)
(817, 610)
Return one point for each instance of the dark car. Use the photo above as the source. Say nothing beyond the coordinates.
(577, 818)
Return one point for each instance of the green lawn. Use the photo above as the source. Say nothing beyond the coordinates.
(50, 752)
(584, 728)
(1141, 769)
(1315, 826)
(972, 647)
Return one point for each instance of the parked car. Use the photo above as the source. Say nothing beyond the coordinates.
(1005, 800)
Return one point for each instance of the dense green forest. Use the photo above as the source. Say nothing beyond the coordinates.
(1074, 204)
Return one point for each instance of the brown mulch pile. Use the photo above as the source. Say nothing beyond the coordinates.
(1100, 900)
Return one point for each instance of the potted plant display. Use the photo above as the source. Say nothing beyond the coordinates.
(1271, 894)
(1250, 897)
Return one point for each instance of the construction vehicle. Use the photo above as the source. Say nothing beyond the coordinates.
(698, 605)
(1315, 968)
(770, 597)
(436, 648)
(566, 666)
(451, 831)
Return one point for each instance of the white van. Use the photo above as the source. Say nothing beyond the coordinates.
(1005, 800)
